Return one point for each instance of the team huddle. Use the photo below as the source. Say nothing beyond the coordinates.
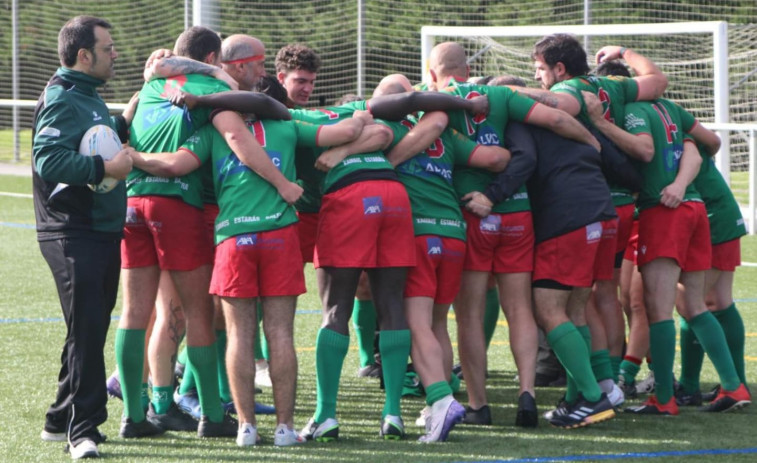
(564, 206)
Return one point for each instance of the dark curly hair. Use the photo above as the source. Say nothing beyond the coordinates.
(565, 49)
(294, 57)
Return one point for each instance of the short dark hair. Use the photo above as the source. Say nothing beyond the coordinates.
(565, 49)
(348, 98)
(197, 43)
(78, 33)
(269, 85)
(505, 80)
(611, 68)
(295, 57)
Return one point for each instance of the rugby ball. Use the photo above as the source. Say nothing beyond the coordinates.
(101, 140)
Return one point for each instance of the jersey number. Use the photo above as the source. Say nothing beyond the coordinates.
(259, 132)
(476, 119)
(604, 97)
(670, 127)
(436, 150)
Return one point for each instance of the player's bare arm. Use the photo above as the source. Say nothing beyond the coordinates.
(688, 168)
(420, 137)
(167, 165)
(490, 157)
(562, 124)
(652, 82)
(343, 131)
(562, 101)
(234, 130)
(639, 147)
(396, 106)
(375, 137)
(178, 65)
(706, 137)
(260, 104)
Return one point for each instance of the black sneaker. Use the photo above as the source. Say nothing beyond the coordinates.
(628, 388)
(130, 429)
(228, 427)
(683, 398)
(370, 371)
(172, 420)
(482, 416)
(584, 413)
(527, 416)
(710, 396)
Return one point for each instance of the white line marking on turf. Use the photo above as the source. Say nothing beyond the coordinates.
(749, 264)
(15, 195)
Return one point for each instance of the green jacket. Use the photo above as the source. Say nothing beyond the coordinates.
(63, 203)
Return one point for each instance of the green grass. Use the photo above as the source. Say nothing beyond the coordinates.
(30, 351)
(6, 145)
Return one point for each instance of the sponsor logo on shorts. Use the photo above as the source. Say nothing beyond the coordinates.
(248, 239)
(490, 224)
(593, 232)
(434, 246)
(372, 205)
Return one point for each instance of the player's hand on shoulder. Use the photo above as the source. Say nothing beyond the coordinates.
(179, 98)
(593, 105)
(290, 192)
(608, 53)
(365, 116)
(478, 203)
(120, 166)
(480, 105)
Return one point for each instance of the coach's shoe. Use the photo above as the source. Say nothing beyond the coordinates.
(712, 394)
(324, 432)
(616, 396)
(727, 401)
(53, 436)
(392, 428)
(113, 385)
(284, 437)
(172, 420)
(130, 429)
(584, 413)
(84, 449)
(652, 407)
(247, 435)
(481, 416)
(646, 385)
(227, 427)
(445, 414)
(527, 415)
(370, 371)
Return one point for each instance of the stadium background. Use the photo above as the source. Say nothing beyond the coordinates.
(386, 35)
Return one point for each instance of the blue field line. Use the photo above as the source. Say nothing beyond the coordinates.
(621, 456)
(17, 225)
(113, 318)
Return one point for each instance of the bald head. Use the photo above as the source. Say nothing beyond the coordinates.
(393, 83)
(448, 60)
(243, 58)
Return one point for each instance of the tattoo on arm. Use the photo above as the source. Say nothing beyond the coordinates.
(181, 65)
(545, 98)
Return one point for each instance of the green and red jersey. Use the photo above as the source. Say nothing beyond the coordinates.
(160, 127)
(667, 123)
(504, 105)
(723, 212)
(427, 177)
(614, 92)
(248, 203)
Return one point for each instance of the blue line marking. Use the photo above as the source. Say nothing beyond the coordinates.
(620, 456)
(17, 225)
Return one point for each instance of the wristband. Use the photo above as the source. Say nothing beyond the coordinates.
(622, 51)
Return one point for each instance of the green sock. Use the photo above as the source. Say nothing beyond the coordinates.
(330, 350)
(712, 339)
(662, 348)
(162, 398)
(130, 357)
(615, 365)
(394, 347)
(491, 315)
(733, 327)
(204, 361)
(364, 321)
(600, 365)
(692, 356)
(223, 379)
(437, 391)
(629, 369)
(454, 383)
(570, 348)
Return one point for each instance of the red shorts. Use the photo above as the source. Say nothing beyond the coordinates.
(633, 242)
(265, 263)
(726, 256)
(438, 268)
(307, 229)
(571, 259)
(500, 243)
(164, 231)
(625, 225)
(682, 234)
(365, 225)
(604, 264)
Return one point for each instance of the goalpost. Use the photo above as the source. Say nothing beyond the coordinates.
(694, 56)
